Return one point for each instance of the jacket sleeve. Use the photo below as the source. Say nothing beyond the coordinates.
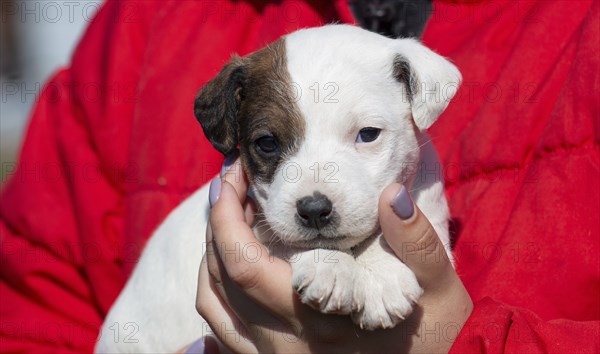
(497, 328)
(65, 184)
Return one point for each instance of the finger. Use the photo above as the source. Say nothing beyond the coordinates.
(206, 345)
(215, 270)
(411, 236)
(255, 317)
(219, 316)
(249, 211)
(237, 178)
(233, 173)
(229, 296)
(246, 261)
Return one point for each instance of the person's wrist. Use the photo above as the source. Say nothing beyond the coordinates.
(449, 309)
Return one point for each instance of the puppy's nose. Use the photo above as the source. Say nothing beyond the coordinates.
(314, 211)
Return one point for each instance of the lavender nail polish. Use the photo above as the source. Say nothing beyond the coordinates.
(196, 348)
(214, 191)
(403, 205)
(229, 162)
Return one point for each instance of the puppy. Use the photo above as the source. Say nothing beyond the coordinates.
(324, 119)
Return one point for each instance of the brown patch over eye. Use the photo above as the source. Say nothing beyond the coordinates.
(270, 123)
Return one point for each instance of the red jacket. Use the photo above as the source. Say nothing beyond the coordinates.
(113, 146)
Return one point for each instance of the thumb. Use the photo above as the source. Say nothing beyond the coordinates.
(412, 238)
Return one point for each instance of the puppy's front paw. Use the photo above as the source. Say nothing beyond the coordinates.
(324, 280)
(384, 299)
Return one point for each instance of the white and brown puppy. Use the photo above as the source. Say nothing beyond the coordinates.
(324, 118)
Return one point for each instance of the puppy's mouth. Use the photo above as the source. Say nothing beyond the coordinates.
(321, 241)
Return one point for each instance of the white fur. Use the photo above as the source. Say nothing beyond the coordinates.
(158, 302)
(365, 280)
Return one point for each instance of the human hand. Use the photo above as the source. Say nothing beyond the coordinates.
(248, 301)
(445, 304)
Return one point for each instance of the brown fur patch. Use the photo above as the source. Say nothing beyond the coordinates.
(217, 106)
(250, 98)
(268, 107)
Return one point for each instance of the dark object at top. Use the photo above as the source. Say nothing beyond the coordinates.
(392, 18)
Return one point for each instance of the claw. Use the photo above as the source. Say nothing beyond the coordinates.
(398, 315)
(355, 305)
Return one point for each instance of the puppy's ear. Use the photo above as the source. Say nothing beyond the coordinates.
(218, 104)
(431, 81)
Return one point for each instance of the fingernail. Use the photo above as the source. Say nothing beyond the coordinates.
(214, 191)
(197, 347)
(403, 205)
(229, 162)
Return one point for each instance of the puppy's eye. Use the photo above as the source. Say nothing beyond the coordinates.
(367, 135)
(266, 144)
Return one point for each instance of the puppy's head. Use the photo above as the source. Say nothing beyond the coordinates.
(324, 119)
